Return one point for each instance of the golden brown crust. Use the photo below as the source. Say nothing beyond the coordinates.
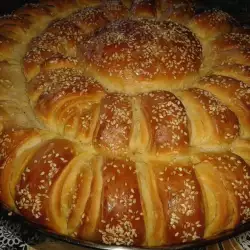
(112, 55)
(60, 36)
(152, 208)
(70, 193)
(88, 3)
(60, 62)
(40, 177)
(232, 41)
(237, 71)
(143, 122)
(11, 84)
(58, 90)
(114, 10)
(33, 60)
(61, 8)
(220, 208)
(234, 56)
(90, 217)
(10, 141)
(234, 94)
(37, 14)
(180, 11)
(181, 199)
(166, 121)
(10, 50)
(143, 8)
(121, 205)
(14, 106)
(212, 123)
(232, 172)
(15, 27)
(42, 81)
(113, 130)
(210, 24)
(12, 115)
(89, 19)
(241, 147)
(127, 3)
(76, 190)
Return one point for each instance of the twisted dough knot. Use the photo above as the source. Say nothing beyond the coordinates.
(132, 124)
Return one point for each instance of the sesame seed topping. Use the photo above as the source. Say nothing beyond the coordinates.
(115, 124)
(34, 188)
(180, 193)
(84, 72)
(137, 50)
(167, 119)
(121, 227)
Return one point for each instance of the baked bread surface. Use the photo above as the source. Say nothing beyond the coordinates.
(125, 122)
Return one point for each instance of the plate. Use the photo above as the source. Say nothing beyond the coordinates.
(18, 227)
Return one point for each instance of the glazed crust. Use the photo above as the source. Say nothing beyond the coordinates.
(125, 68)
(125, 122)
(181, 199)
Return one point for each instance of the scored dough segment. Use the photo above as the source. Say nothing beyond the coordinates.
(125, 122)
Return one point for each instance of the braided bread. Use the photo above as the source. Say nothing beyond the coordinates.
(125, 122)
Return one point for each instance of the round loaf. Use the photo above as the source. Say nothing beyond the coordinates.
(125, 122)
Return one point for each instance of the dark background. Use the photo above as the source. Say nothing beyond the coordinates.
(237, 8)
(6, 6)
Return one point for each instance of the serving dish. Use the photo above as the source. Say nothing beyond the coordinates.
(45, 234)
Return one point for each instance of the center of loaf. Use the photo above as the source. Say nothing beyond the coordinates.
(137, 55)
